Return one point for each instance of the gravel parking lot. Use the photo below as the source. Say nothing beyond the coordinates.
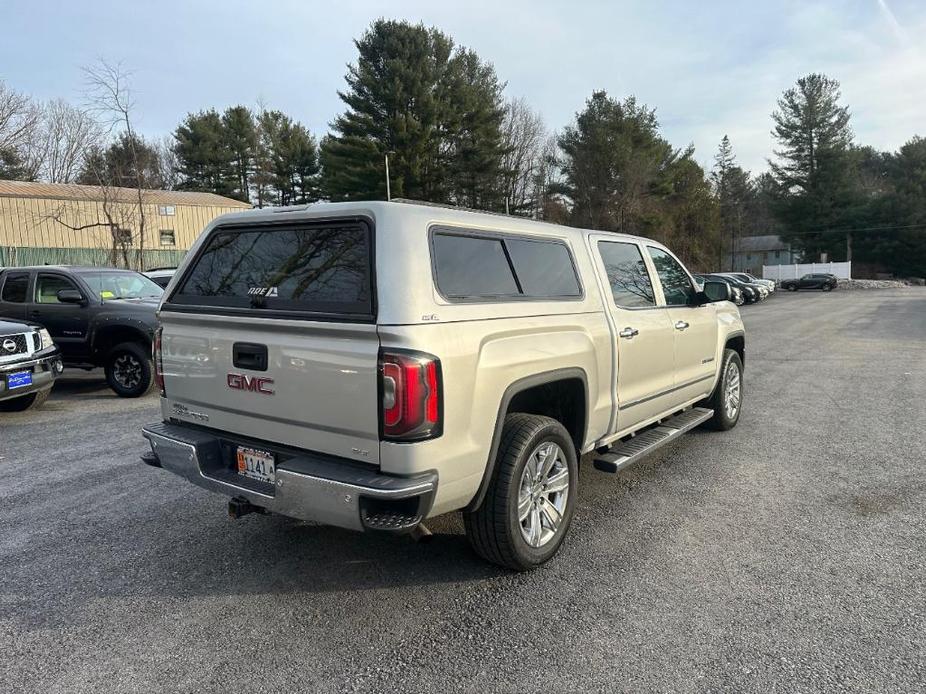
(786, 555)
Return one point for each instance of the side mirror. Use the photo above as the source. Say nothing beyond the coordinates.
(70, 296)
(716, 291)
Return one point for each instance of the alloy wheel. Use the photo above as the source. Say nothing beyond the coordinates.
(543, 492)
(732, 391)
(127, 371)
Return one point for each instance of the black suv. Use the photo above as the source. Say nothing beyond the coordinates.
(97, 317)
(817, 280)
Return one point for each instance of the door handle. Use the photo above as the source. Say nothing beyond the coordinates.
(628, 333)
(680, 325)
(248, 355)
(35, 313)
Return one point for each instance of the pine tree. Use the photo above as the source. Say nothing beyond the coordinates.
(735, 193)
(239, 139)
(434, 110)
(289, 160)
(897, 199)
(613, 159)
(128, 162)
(476, 135)
(204, 160)
(814, 172)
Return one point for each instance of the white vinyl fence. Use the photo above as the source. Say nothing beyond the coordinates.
(791, 272)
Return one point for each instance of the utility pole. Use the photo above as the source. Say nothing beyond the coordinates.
(388, 189)
(733, 249)
(849, 247)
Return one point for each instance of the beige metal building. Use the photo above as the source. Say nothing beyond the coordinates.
(64, 223)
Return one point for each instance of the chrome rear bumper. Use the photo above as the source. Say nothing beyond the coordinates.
(309, 486)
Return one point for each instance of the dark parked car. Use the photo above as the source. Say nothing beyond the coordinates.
(751, 293)
(817, 280)
(29, 364)
(96, 316)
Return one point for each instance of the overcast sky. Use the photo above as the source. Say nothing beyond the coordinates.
(708, 68)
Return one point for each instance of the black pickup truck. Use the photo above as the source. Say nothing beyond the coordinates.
(98, 317)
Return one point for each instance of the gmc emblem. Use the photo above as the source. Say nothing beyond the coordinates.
(255, 384)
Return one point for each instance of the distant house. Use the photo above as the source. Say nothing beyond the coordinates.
(752, 252)
(101, 225)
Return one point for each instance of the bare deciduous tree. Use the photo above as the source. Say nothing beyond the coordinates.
(66, 135)
(19, 119)
(525, 140)
(109, 98)
(168, 164)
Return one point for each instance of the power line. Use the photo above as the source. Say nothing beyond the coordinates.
(858, 229)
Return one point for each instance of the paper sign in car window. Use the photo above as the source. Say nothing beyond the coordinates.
(106, 294)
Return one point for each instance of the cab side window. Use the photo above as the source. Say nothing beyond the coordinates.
(48, 286)
(676, 284)
(627, 274)
(15, 287)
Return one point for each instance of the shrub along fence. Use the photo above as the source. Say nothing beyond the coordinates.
(19, 256)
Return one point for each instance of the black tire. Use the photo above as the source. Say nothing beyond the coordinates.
(792, 287)
(827, 287)
(33, 401)
(129, 370)
(494, 529)
(722, 420)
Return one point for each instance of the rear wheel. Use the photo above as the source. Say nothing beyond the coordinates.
(727, 398)
(531, 499)
(25, 402)
(129, 371)
(827, 287)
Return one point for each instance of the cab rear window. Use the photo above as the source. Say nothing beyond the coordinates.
(316, 268)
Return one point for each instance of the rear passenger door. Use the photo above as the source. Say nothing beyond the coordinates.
(694, 327)
(14, 289)
(642, 332)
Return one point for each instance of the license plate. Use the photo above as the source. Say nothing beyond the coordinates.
(256, 464)
(20, 379)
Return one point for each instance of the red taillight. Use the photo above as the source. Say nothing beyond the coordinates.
(158, 363)
(410, 383)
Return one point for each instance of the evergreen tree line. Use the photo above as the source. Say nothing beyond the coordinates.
(438, 112)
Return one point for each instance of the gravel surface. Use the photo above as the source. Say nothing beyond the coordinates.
(786, 555)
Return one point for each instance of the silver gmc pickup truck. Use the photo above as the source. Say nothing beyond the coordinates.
(371, 365)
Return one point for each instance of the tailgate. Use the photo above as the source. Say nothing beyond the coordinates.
(317, 392)
(270, 333)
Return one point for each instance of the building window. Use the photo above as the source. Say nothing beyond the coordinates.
(167, 210)
(777, 254)
(168, 238)
(122, 235)
(748, 257)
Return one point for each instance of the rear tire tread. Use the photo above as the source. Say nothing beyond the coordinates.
(486, 527)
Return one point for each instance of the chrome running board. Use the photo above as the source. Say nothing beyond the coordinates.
(629, 452)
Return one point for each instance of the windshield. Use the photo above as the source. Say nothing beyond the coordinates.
(121, 285)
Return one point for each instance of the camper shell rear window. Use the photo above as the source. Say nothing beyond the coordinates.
(324, 268)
